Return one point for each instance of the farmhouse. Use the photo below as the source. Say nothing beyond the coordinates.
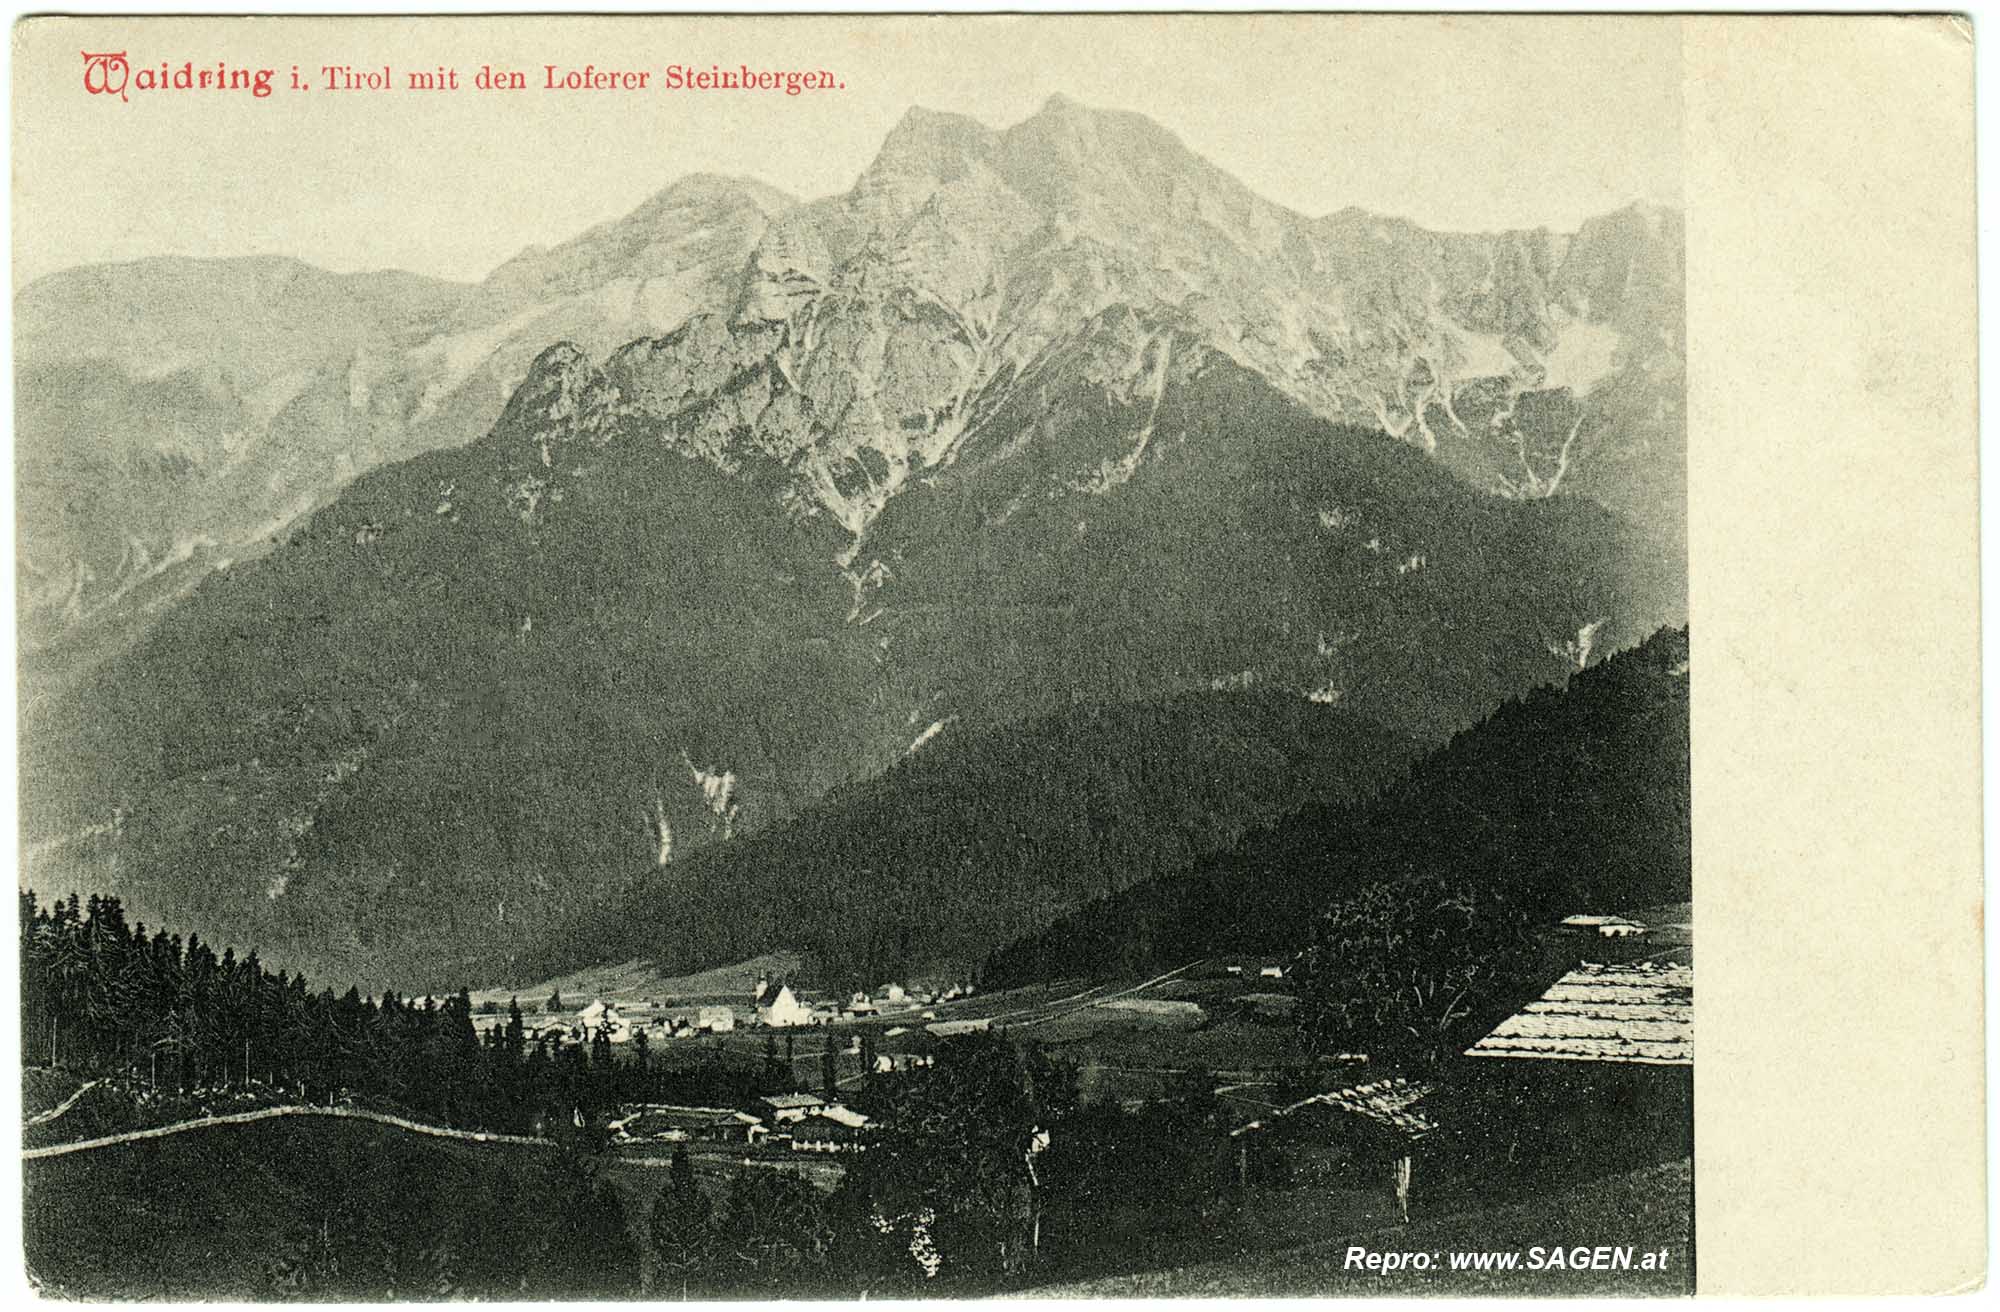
(716, 1020)
(887, 1063)
(1597, 1070)
(1391, 1102)
(678, 1124)
(1640, 1013)
(1372, 1127)
(788, 1107)
(830, 1129)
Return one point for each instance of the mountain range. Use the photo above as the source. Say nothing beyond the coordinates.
(178, 415)
(444, 618)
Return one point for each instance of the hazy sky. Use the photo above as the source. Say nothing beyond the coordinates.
(1456, 122)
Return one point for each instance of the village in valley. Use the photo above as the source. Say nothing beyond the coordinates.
(636, 1029)
(1181, 1125)
(1592, 1074)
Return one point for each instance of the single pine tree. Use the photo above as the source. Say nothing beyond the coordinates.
(682, 1230)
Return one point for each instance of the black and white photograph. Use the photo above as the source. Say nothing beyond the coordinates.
(853, 658)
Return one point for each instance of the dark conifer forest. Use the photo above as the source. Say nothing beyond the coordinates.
(168, 1016)
(1566, 800)
(990, 830)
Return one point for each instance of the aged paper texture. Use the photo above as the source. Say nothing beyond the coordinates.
(1836, 802)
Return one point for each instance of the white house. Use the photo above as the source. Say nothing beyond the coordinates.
(601, 1016)
(1606, 926)
(784, 1010)
(888, 1062)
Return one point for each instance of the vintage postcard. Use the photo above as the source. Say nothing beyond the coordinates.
(970, 656)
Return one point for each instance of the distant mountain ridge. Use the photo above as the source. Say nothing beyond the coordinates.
(179, 414)
(182, 413)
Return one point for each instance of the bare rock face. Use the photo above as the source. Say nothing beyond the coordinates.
(863, 331)
(1532, 363)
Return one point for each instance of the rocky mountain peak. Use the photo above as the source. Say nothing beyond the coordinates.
(549, 395)
(926, 150)
(1067, 153)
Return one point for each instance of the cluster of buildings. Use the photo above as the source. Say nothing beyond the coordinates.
(804, 1122)
(627, 1024)
(770, 1006)
(779, 1007)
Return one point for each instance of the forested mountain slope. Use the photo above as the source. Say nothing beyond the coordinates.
(1567, 800)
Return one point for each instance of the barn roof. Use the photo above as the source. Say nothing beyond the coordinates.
(839, 1115)
(697, 1116)
(1639, 1012)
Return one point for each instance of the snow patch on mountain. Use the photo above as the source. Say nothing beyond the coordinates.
(935, 728)
(718, 795)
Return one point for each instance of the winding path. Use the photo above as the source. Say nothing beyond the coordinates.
(43, 1118)
(272, 1113)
